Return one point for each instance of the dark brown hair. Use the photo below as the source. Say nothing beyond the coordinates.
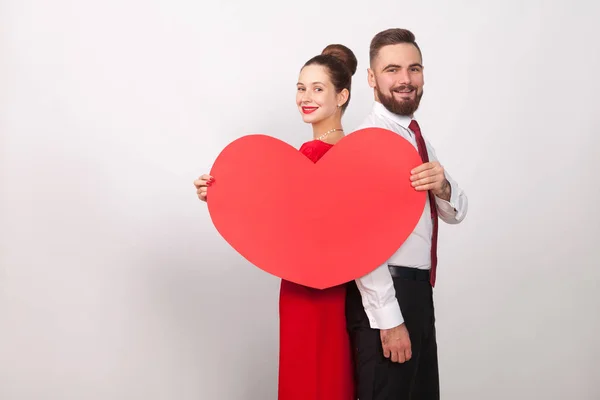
(341, 64)
(389, 37)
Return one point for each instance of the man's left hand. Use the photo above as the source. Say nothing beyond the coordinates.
(430, 176)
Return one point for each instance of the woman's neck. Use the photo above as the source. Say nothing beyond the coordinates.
(328, 130)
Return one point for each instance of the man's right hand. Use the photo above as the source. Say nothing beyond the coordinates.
(396, 343)
(202, 185)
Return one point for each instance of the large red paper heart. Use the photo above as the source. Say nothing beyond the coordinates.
(316, 224)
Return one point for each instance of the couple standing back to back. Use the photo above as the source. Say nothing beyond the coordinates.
(373, 338)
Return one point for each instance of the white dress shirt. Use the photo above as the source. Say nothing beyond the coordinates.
(377, 287)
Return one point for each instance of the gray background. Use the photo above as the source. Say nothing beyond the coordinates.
(115, 285)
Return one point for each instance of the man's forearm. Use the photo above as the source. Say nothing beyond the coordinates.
(446, 192)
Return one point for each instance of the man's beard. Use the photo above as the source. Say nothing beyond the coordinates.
(400, 107)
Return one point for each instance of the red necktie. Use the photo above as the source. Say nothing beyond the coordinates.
(414, 126)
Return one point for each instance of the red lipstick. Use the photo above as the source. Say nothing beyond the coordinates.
(308, 110)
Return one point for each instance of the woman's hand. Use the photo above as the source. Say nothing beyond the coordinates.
(202, 184)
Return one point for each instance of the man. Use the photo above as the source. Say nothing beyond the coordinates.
(390, 311)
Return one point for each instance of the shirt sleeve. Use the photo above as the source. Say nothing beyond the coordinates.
(379, 298)
(455, 210)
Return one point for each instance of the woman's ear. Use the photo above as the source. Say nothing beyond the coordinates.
(342, 97)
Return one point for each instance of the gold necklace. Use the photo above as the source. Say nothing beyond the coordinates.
(323, 136)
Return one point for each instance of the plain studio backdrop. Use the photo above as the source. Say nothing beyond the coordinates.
(114, 283)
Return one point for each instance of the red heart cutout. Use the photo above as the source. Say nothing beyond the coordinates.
(316, 224)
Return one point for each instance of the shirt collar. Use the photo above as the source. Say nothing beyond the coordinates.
(401, 120)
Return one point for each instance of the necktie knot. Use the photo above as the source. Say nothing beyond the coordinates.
(414, 126)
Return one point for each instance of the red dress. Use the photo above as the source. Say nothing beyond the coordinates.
(315, 359)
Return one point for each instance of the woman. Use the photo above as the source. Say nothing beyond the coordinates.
(315, 359)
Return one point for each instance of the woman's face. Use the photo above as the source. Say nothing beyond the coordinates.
(316, 97)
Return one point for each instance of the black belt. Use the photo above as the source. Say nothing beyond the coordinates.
(409, 273)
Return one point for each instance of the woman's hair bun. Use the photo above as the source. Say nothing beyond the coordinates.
(344, 54)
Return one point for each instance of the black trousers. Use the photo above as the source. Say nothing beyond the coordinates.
(379, 378)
